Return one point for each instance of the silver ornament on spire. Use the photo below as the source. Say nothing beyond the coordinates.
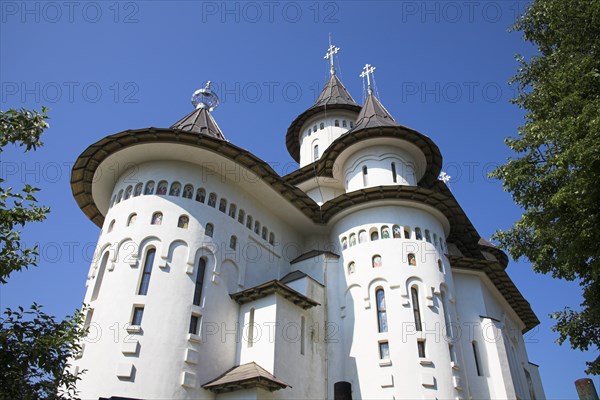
(368, 71)
(331, 51)
(205, 98)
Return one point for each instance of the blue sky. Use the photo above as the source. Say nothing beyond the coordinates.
(104, 67)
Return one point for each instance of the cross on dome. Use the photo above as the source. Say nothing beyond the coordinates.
(331, 51)
(368, 71)
(205, 98)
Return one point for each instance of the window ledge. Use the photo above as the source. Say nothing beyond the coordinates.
(134, 329)
(425, 361)
(194, 338)
(385, 363)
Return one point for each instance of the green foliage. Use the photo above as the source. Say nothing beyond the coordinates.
(554, 177)
(35, 351)
(35, 348)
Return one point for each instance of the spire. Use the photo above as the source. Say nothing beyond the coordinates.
(200, 120)
(373, 113)
(334, 91)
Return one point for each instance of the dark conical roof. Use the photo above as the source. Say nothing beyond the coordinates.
(199, 121)
(334, 96)
(373, 114)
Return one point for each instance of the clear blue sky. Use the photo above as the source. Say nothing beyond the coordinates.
(104, 67)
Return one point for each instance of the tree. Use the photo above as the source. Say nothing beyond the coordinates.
(555, 174)
(35, 348)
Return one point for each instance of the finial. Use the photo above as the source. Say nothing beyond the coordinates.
(205, 98)
(331, 51)
(368, 71)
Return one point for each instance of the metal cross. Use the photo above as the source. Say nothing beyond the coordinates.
(333, 50)
(368, 72)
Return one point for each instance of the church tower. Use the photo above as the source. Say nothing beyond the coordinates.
(356, 276)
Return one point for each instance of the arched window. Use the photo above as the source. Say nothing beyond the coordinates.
(344, 243)
(199, 281)
(374, 235)
(352, 239)
(446, 310)
(119, 196)
(209, 230)
(149, 188)
(376, 261)
(162, 187)
(309, 131)
(385, 232)
(322, 125)
(337, 122)
(251, 328)
(394, 175)
(183, 222)
(427, 236)
(249, 222)
(418, 234)
(440, 266)
(362, 236)
(233, 242)
(529, 384)
(241, 216)
(381, 312)
(416, 309)
(100, 276)
(212, 199)
(175, 189)
(316, 152)
(351, 124)
(412, 260)
(477, 359)
(406, 232)
(315, 128)
(271, 238)
(128, 192)
(131, 219)
(223, 205)
(200, 195)
(156, 218)
(264, 233)
(344, 125)
(145, 282)
(111, 226)
(435, 241)
(232, 210)
(351, 268)
(188, 191)
(257, 227)
(138, 189)
(364, 175)
(396, 232)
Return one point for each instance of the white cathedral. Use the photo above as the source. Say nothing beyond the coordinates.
(357, 276)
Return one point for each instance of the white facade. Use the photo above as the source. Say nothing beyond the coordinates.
(368, 292)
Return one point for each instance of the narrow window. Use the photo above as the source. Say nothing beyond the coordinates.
(309, 131)
(131, 219)
(257, 227)
(223, 205)
(394, 175)
(138, 313)
(200, 195)
(337, 122)
(183, 222)
(271, 238)
(249, 221)
(435, 241)
(476, 356)
(322, 126)
(396, 232)
(427, 236)
(149, 188)
(440, 266)
(352, 239)
(381, 313)
(145, 282)
(209, 230)
(232, 210)
(128, 192)
(241, 216)
(302, 334)
(99, 277)
(412, 260)
(385, 232)
(344, 124)
(199, 281)
(384, 350)
(212, 200)
(111, 225)
(251, 328)
(418, 234)
(119, 196)
(446, 310)
(316, 152)
(138, 189)
(188, 191)
(452, 352)
(362, 236)
(406, 232)
(374, 235)
(416, 310)
(175, 189)
(162, 187)
(529, 384)
(233, 242)
(351, 268)
(344, 243)
(194, 323)
(377, 261)
(421, 348)
(112, 201)
(364, 171)
(156, 218)
(264, 233)
(315, 128)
